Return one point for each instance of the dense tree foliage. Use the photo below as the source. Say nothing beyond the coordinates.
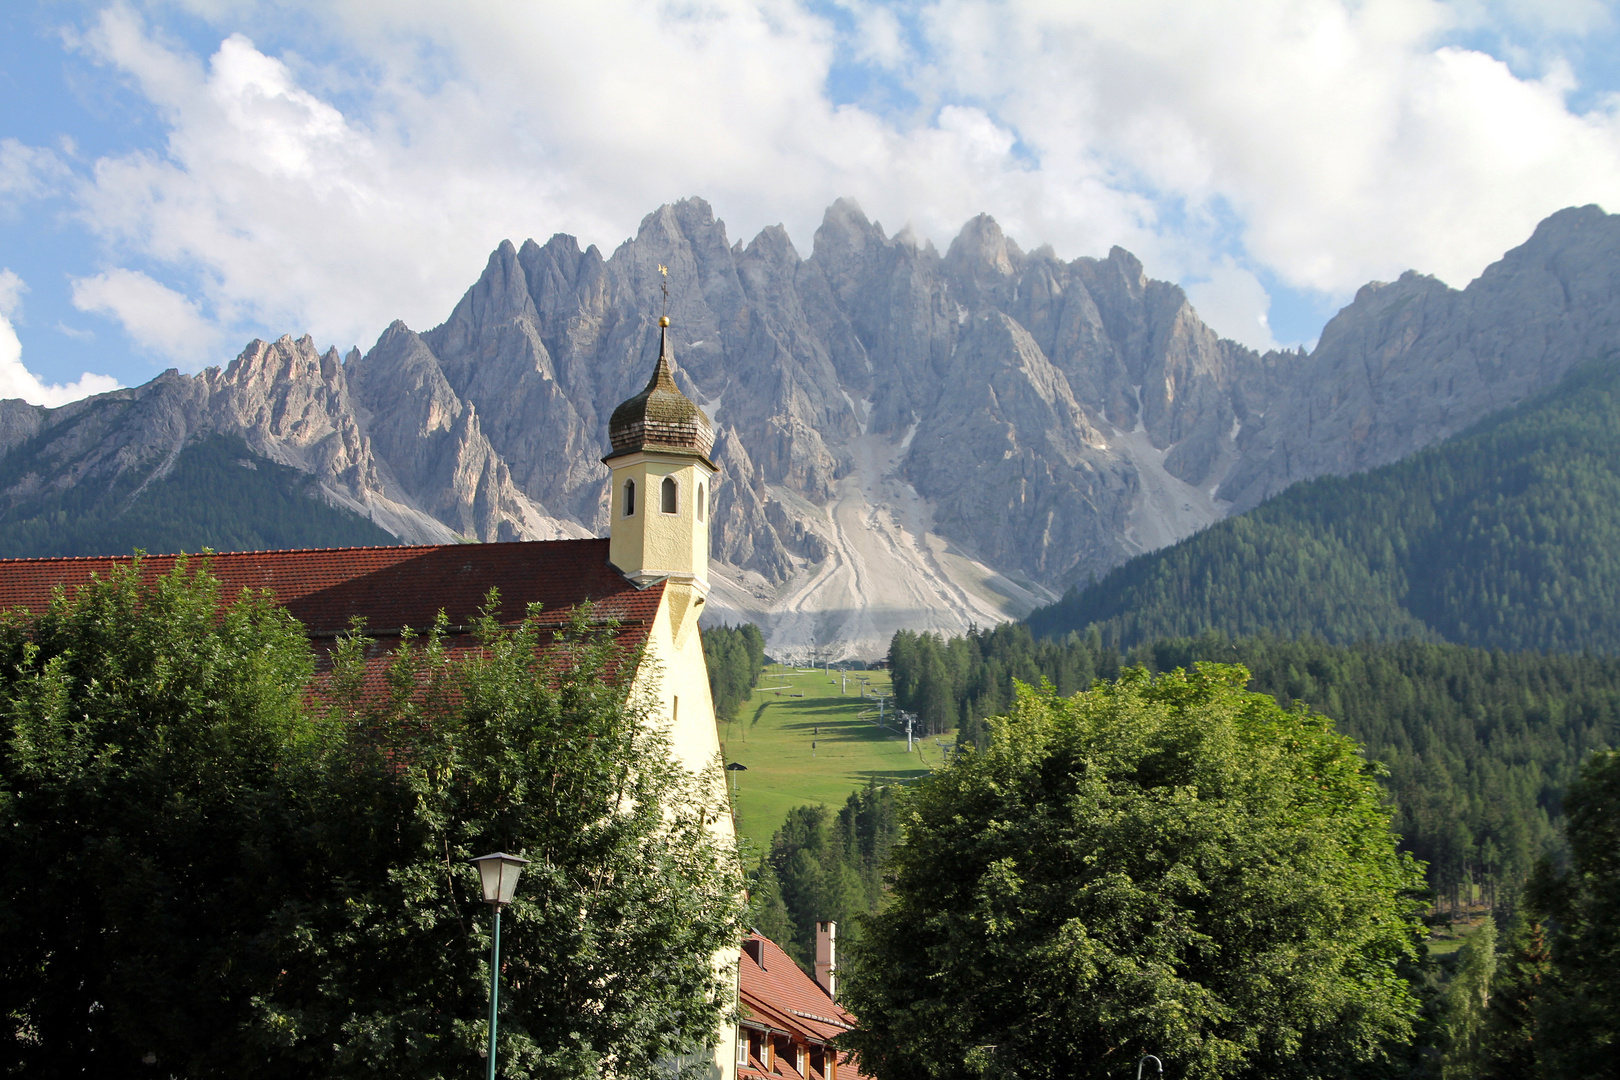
(1466, 1006)
(1479, 745)
(1545, 1004)
(1495, 537)
(218, 495)
(1577, 1016)
(202, 874)
(825, 866)
(735, 656)
(1523, 967)
(1171, 865)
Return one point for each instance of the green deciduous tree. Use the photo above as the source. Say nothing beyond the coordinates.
(1465, 1007)
(199, 868)
(1174, 866)
(154, 763)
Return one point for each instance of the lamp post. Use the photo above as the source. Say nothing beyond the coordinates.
(499, 874)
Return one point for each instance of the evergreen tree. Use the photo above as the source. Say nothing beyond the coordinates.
(823, 866)
(735, 656)
(1577, 1029)
(1508, 1050)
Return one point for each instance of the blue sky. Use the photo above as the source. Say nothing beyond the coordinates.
(179, 177)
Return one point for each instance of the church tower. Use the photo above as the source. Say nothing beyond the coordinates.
(662, 481)
(659, 509)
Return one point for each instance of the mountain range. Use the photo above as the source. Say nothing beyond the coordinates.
(907, 438)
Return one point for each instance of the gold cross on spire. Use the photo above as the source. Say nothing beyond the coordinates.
(663, 318)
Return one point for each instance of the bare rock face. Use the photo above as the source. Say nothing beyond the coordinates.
(1414, 361)
(905, 438)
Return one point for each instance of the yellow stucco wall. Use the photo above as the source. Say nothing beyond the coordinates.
(649, 542)
(679, 681)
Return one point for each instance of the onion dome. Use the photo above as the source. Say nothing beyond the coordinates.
(661, 417)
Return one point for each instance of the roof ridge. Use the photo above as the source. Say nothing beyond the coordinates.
(295, 551)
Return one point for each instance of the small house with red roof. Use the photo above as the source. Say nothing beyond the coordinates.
(647, 580)
(789, 1020)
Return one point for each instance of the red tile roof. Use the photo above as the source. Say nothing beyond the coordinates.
(781, 997)
(391, 587)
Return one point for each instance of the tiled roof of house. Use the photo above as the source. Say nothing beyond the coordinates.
(390, 587)
(780, 997)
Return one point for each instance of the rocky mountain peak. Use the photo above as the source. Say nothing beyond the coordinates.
(904, 438)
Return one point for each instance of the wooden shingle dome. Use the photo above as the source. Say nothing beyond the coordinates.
(661, 417)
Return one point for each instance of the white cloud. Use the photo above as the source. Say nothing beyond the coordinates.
(27, 172)
(16, 381)
(155, 317)
(1349, 144)
(1324, 141)
(11, 289)
(1234, 303)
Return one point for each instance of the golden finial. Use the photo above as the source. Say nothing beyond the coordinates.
(663, 318)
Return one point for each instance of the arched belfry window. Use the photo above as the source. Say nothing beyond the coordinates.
(702, 500)
(629, 498)
(671, 506)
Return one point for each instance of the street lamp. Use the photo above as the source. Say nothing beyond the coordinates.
(499, 874)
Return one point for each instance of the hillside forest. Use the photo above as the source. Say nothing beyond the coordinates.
(1504, 537)
(215, 494)
(1479, 745)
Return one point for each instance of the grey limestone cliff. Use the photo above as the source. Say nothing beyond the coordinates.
(1411, 362)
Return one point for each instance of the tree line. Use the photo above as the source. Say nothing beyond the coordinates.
(735, 656)
(1478, 745)
(824, 865)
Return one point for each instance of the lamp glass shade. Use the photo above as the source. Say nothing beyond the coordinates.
(499, 873)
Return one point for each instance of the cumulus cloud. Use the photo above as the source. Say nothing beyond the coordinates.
(156, 317)
(1233, 299)
(16, 381)
(1320, 141)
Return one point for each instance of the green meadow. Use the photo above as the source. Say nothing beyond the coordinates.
(806, 739)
